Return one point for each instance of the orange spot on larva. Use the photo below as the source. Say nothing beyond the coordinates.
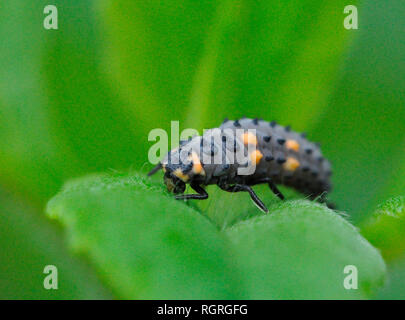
(293, 145)
(256, 156)
(291, 164)
(197, 166)
(179, 174)
(249, 138)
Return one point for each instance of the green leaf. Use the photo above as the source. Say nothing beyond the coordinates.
(59, 116)
(226, 208)
(386, 228)
(362, 129)
(257, 58)
(28, 243)
(262, 59)
(25, 135)
(145, 244)
(299, 251)
(394, 288)
(151, 52)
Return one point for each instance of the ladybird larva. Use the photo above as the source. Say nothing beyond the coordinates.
(278, 155)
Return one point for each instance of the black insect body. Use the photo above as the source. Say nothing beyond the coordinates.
(243, 153)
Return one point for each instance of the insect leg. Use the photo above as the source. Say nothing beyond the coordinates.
(273, 187)
(242, 187)
(256, 199)
(201, 193)
(275, 190)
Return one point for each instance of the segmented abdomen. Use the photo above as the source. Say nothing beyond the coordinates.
(285, 156)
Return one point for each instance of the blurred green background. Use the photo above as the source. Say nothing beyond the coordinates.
(83, 99)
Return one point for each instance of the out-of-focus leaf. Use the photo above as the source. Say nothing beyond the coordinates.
(87, 116)
(145, 244)
(29, 153)
(395, 183)
(152, 49)
(29, 243)
(300, 250)
(386, 228)
(394, 288)
(59, 117)
(363, 128)
(264, 59)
